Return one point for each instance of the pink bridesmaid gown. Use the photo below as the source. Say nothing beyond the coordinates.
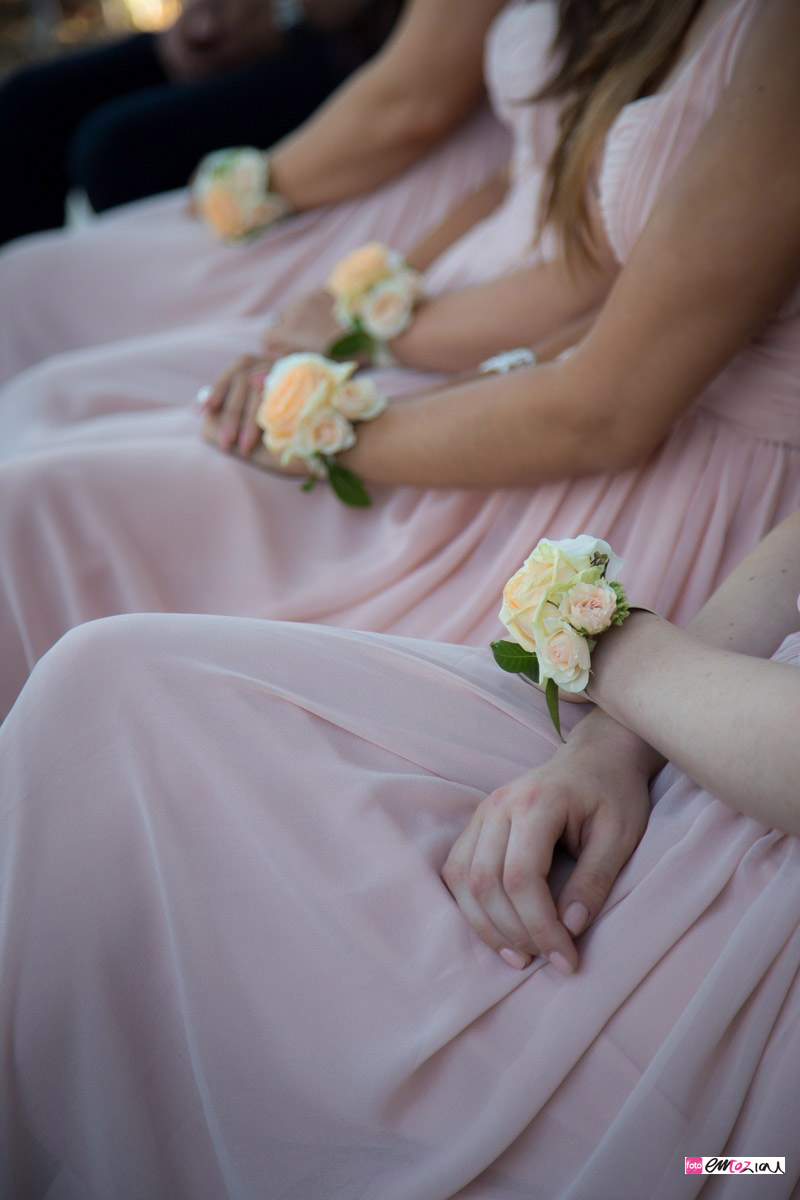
(230, 969)
(150, 266)
(111, 503)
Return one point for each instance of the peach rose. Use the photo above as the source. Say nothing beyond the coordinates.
(563, 654)
(589, 607)
(220, 212)
(361, 269)
(297, 388)
(359, 400)
(525, 594)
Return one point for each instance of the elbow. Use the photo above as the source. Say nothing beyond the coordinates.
(605, 445)
(615, 442)
(413, 117)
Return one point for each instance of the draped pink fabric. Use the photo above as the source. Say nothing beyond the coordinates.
(231, 970)
(110, 503)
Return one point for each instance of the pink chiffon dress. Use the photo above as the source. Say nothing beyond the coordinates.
(150, 266)
(110, 503)
(231, 970)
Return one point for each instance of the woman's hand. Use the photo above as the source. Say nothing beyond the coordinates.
(232, 403)
(307, 324)
(259, 456)
(593, 798)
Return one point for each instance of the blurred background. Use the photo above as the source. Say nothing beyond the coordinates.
(32, 30)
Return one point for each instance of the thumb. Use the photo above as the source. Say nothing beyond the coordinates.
(595, 873)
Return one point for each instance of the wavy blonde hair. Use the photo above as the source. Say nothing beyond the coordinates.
(611, 52)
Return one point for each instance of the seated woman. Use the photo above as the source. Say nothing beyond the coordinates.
(671, 430)
(386, 157)
(229, 959)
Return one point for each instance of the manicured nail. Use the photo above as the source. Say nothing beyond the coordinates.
(203, 395)
(560, 963)
(518, 961)
(576, 918)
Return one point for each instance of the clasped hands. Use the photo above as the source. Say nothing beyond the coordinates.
(233, 401)
(592, 797)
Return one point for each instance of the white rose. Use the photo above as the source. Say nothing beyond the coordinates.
(563, 654)
(386, 308)
(325, 431)
(579, 552)
(359, 400)
(248, 172)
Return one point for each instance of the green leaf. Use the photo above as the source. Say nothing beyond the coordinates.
(518, 661)
(310, 483)
(352, 344)
(551, 696)
(347, 486)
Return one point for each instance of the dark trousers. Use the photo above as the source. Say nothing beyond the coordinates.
(108, 121)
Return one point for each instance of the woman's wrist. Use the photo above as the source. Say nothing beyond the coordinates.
(626, 664)
(599, 734)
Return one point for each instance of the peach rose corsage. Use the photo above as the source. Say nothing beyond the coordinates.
(230, 193)
(374, 293)
(308, 411)
(555, 607)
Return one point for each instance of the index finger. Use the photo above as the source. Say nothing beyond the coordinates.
(529, 858)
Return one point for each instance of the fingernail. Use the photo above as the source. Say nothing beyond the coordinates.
(560, 963)
(203, 395)
(576, 918)
(518, 961)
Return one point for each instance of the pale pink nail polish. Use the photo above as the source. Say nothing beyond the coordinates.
(560, 963)
(576, 918)
(518, 961)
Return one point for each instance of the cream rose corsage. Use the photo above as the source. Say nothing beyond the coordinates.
(230, 193)
(308, 411)
(555, 607)
(374, 293)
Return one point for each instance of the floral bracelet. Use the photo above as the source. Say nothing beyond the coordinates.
(374, 293)
(230, 193)
(555, 607)
(308, 410)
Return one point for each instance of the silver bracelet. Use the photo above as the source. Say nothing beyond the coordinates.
(509, 360)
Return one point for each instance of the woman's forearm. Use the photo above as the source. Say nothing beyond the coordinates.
(393, 110)
(358, 139)
(532, 425)
(727, 719)
(458, 329)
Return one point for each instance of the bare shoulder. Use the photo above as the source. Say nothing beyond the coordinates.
(764, 89)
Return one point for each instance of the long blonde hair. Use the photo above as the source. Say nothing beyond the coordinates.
(611, 52)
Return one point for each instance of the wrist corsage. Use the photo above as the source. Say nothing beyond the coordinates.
(374, 292)
(230, 193)
(555, 607)
(308, 410)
